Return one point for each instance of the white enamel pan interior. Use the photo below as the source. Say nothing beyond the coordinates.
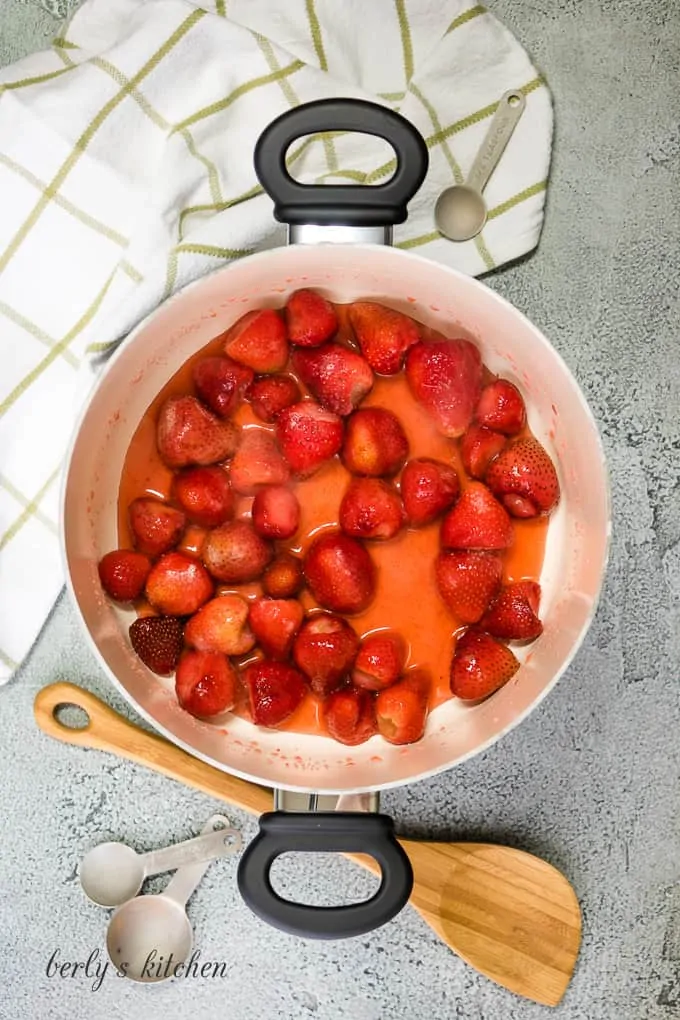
(558, 414)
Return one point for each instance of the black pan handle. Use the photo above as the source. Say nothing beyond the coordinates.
(353, 205)
(345, 832)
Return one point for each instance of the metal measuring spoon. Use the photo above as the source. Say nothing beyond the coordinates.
(460, 212)
(112, 873)
(150, 936)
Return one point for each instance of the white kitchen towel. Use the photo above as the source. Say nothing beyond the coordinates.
(126, 171)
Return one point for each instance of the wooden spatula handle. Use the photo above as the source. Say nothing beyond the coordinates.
(107, 731)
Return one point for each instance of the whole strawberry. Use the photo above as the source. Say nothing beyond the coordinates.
(340, 573)
(309, 435)
(258, 340)
(384, 335)
(157, 640)
(467, 581)
(349, 715)
(221, 384)
(478, 447)
(501, 407)
(513, 614)
(123, 574)
(477, 521)
(338, 377)
(275, 689)
(187, 433)
(445, 378)
(524, 479)
(428, 489)
(310, 318)
(480, 666)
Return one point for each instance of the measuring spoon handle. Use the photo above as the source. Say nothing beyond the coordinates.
(510, 109)
(186, 878)
(201, 848)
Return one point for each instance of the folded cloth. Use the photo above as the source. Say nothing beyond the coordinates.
(126, 171)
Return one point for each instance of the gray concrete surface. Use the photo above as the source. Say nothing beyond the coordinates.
(591, 780)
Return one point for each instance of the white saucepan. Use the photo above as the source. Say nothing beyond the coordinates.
(340, 246)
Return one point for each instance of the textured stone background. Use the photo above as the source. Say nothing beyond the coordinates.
(590, 781)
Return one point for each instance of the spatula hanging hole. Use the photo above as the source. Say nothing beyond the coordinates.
(71, 717)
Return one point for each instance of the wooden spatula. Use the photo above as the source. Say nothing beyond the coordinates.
(510, 915)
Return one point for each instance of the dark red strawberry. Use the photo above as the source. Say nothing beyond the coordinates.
(204, 494)
(221, 625)
(178, 585)
(123, 574)
(275, 622)
(501, 407)
(467, 581)
(478, 448)
(384, 335)
(155, 526)
(311, 320)
(276, 689)
(259, 341)
(235, 553)
(272, 394)
(445, 376)
(309, 435)
(157, 640)
(513, 614)
(187, 433)
(349, 715)
(524, 479)
(324, 650)
(276, 512)
(428, 489)
(340, 573)
(371, 508)
(477, 521)
(375, 443)
(480, 666)
(205, 684)
(257, 462)
(283, 577)
(338, 377)
(401, 710)
(381, 660)
(221, 384)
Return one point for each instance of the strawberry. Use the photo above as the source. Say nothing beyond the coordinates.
(205, 684)
(338, 377)
(187, 433)
(257, 462)
(384, 335)
(309, 435)
(273, 393)
(381, 660)
(259, 341)
(445, 377)
(467, 581)
(350, 716)
(375, 443)
(324, 650)
(513, 614)
(204, 495)
(276, 512)
(221, 625)
(221, 384)
(480, 666)
(275, 623)
(478, 448)
(155, 526)
(275, 689)
(340, 573)
(477, 521)
(428, 489)
(283, 577)
(311, 320)
(501, 407)
(234, 552)
(157, 640)
(178, 585)
(523, 477)
(123, 574)
(371, 508)
(401, 710)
